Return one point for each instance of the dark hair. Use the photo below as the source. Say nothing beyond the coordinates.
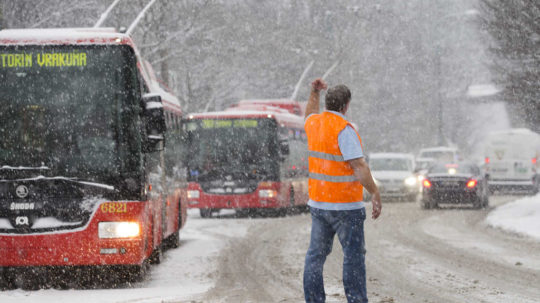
(337, 98)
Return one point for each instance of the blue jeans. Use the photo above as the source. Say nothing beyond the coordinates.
(349, 226)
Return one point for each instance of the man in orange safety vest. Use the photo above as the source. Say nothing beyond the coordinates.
(338, 174)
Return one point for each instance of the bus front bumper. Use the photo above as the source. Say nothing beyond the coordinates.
(260, 198)
(79, 247)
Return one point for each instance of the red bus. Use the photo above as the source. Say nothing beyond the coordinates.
(85, 178)
(245, 160)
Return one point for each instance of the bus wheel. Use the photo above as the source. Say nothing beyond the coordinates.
(6, 279)
(173, 241)
(157, 255)
(205, 212)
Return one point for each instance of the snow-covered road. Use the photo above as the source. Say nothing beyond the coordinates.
(414, 255)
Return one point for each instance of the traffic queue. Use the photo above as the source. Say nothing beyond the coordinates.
(110, 163)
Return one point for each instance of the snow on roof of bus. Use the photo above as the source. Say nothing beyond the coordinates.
(257, 107)
(280, 117)
(275, 101)
(290, 105)
(61, 35)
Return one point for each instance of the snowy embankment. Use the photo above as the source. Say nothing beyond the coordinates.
(521, 216)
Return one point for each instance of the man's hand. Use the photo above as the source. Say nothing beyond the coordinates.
(312, 106)
(318, 85)
(363, 174)
(376, 204)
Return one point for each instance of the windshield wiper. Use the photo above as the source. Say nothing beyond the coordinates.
(8, 167)
(69, 179)
(23, 177)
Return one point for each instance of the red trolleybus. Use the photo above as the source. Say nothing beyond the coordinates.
(245, 160)
(83, 180)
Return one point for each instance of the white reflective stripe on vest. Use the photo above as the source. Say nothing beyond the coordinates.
(337, 179)
(325, 156)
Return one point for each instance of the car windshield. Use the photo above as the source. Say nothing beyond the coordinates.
(396, 164)
(245, 146)
(438, 155)
(453, 169)
(70, 108)
(423, 164)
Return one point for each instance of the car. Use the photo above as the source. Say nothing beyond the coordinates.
(422, 166)
(394, 175)
(455, 183)
(440, 153)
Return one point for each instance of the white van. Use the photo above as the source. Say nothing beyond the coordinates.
(511, 159)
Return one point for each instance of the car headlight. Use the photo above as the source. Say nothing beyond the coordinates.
(267, 193)
(109, 230)
(410, 181)
(193, 194)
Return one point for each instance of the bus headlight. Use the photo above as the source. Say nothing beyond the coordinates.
(267, 193)
(410, 181)
(109, 230)
(193, 194)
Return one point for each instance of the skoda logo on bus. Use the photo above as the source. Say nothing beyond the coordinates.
(22, 221)
(21, 191)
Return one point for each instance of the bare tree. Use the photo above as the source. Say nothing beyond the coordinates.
(211, 53)
(515, 29)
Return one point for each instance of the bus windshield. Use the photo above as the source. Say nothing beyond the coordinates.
(73, 109)
(243, 148)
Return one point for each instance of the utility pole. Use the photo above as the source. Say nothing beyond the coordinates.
(440, 117)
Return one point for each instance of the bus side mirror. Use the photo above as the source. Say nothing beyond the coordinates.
(284, 149)
(154, 122)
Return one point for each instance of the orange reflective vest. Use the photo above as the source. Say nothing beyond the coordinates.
(331, 178)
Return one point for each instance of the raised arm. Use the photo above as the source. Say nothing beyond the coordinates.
(363, 174)
(312, 106)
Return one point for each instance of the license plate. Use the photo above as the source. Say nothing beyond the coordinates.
(451, 183)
